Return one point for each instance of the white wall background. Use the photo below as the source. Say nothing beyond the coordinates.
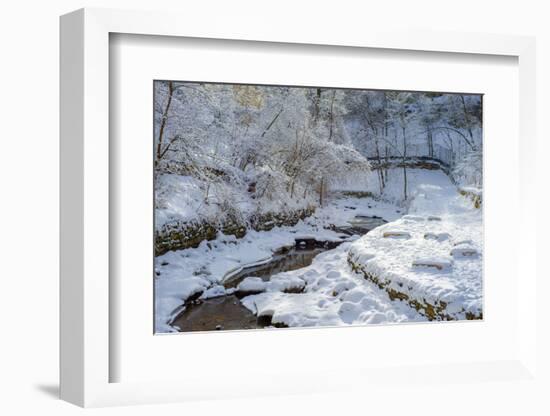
(29, 207)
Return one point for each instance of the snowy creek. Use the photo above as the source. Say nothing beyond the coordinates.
(227, 313)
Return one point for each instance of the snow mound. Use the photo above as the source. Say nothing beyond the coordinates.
(413, 218)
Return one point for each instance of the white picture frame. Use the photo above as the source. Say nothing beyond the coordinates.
(86, 356)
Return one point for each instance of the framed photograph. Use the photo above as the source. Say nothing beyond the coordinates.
(287, 203)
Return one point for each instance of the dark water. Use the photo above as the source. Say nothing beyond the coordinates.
(361, 224)
(227, 313)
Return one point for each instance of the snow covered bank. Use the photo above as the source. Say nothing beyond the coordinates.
(189, 210)
(184, 274)
(185, 199)
(432, 258)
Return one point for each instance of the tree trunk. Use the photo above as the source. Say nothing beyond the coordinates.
(387, 153)
(321, 191)
(379, 161)
(160, 154)
(331, 116)
(272, 122)
(386, 145)
(467, 119)
(404, 164)
(317, 105)
(430, 143)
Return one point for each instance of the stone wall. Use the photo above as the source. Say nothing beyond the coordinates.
(182, 235)
(436, 311)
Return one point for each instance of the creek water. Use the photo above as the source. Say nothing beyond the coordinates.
(227, 313)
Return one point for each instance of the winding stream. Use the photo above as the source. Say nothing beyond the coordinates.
(227, 313)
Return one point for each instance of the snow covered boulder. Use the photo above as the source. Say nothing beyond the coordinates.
(397, 234)
(463, 242)
(213, 292)
(250, 286)
(464, 250)
(437, 236)
(283, 310)
(286, 283)
(437, 263)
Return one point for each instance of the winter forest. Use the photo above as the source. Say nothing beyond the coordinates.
(285, 207)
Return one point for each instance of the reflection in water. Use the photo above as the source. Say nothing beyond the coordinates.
(294, 259)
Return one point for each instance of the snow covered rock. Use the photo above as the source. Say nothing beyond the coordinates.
(287, 283)
(463, 242)
(396, 234)
(250, 286)
(464, 250)
(438, 263)
(437, 236)
(213, 292)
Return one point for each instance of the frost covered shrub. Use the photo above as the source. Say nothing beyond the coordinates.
(270, 191)
(228, 202)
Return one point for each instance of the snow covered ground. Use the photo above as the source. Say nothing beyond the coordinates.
(334, 295)
(431, 255)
